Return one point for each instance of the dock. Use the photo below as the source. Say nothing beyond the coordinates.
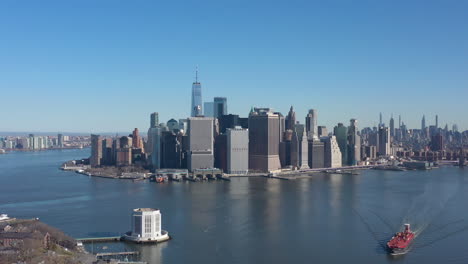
(99, 239)
(109, 254)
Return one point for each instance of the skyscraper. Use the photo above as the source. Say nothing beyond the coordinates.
(136, 139)
(208, 109)
(341, 133)
(316, 154)
(392, 126)
(332, 152)
(196, 97)
(60, 140)
(237, 150)
(380, 119)
(200, 143)
(154, 119)
(291, 120)
(354, 143)
(423, 123)
(219, 107)
(96, 151)
(437, 121)
(383, 147)
(311, 124)
(264, 138)
(154, 142)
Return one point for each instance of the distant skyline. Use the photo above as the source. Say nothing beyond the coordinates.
(105, 66)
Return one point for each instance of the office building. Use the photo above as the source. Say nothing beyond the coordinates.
(311, 125)
(106, 152)
(154, 119)
(264, 137)
(219, 107)
(200, 143)
(383, 146)
(154, 142)
(172, 125)
(124, 157)
(208, 109)
(136, 139)
(96, 151)
(332, 152)
(171, 150)
(341, 133)
(220, 152)
(322, 131)
(316, 154)
(231, 121)
(237, 150)
(392, 127)
(60, 140)
(354, 143)
(437, 142)
(291, 120)
(196, 109)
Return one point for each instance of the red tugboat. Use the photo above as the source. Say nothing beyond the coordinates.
(399, 243)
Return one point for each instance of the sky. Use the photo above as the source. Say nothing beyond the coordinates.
(104, 66)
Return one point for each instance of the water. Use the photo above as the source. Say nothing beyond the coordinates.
(324, 219)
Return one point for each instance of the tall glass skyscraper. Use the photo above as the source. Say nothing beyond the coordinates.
(196, 97)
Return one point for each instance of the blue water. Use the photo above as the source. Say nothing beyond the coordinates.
(322, 219)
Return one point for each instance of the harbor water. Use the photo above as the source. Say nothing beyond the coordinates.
(325, 218)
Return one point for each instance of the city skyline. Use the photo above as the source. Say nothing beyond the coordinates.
(69, 68)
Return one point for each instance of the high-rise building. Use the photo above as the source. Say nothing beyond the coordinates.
(154, 119)
(96, 151)
(171, 150)
(124, 156)
(219, 107)
(437, 142)
(311, 124)
(392, 127)
(384, 144)
(237, 150)
(60, 140)
(341, 133)
(208, 109)
(354, 143)
(332, 152)
(380, 119)
(317, 154)
(264, 137)
(291, 120)
(220, 152)
(303, 147)
(172, 125)
(196, 97)
(136, 139)
(106, 151)
(200, 143)
(232, 121)
(154, 140)
(423, 123)
(437, 121)
(322, 131)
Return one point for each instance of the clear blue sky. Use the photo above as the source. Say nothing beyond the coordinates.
(79, 66)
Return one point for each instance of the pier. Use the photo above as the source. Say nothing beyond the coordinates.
(108, 254)
(99, 239)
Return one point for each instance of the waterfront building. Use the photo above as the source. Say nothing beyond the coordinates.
(60, 140)
(106, 151)
(208, 109)
(289, 149)
(303, 147)
(171, 150)
(196, 109)
(341, 133)
(96, 151)
(316, 154)
(311, 125)
(220, 152)
(264, 137)
(172, 125)
(384, 145)
(354, 143)
(136, 139)
(124, 157)
(237, 150)
(332, 152)
(219, 107)
(200, 143)
(291, 120)
(371, 152)
(154, 140)
(146, 226)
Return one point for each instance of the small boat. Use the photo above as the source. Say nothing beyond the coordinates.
(4, 217)
(400, 242)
